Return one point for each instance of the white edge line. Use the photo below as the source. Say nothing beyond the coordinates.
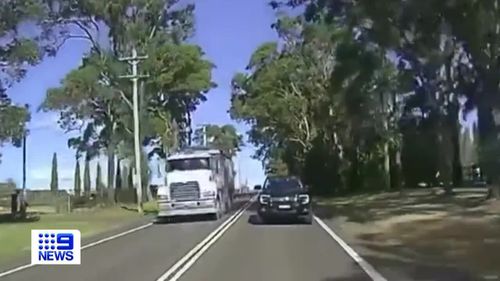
(368, 268)
(196, 248)
(190, 263)
(116, 236)
(26, 266)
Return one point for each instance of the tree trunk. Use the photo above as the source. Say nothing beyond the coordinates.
(396, 169)
(387, 166)
(118, 180)
(111, 174)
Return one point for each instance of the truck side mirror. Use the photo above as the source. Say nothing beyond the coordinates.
(257, 187)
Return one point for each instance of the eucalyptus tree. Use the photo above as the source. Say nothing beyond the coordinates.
(94, 98)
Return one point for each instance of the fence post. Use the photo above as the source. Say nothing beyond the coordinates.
(69, 203)
(13, 203)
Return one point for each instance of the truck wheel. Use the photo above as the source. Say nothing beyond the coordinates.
(218, 207)
(227, 207)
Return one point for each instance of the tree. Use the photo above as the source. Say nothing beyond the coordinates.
(99, 186)
(103, 109)
(276, 167)
(285, 98)
(13, 119)
(54, 180)
(20, 50)
(86, 177)
(320, 100)
(78, 180)
(225, 138)
(17, 50)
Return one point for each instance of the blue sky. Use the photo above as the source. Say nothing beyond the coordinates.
(228, 33)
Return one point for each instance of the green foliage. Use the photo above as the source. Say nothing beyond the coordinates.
(276, 167)
(319, 106)
(13, 119)
(95, 101)
(54, 179)
(225, 138)
(18, 51)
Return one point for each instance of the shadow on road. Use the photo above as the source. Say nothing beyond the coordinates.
(8, 218)
(418, 235)
(237, 204)
(420, 271)
(356, 277)
(183, 219)
(146, 212)
(382, 206)
(256, 220)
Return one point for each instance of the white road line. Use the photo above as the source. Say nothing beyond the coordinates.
(26, 266)
(182, 265)
(368, 268)
(116, 236)
(191, 262)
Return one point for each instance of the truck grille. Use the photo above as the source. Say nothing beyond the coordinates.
(185, 191)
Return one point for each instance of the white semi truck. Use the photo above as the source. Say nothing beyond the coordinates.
(200, 181)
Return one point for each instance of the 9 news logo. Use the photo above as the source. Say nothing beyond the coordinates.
(49, 246)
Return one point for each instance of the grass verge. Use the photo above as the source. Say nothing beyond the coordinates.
(15, 237)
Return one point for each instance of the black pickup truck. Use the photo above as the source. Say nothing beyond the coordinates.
(284, 198)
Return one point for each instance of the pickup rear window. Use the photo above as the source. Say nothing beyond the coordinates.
(282, 183)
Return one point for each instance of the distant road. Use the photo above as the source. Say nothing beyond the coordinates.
(245, 251)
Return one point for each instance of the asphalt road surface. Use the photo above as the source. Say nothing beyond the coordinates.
(246, 251)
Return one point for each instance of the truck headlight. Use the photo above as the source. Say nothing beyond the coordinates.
(208, 193)
(303, 199)
(163, 197)
(264, 199)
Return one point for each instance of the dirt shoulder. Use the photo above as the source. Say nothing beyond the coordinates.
(421, 234)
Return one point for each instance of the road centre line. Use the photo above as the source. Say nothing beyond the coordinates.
(182, 265)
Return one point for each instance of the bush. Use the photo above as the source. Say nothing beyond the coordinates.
(150, 207)
(83, 202)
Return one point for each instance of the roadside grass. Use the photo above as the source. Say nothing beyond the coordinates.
(15, 236)
(421, 231)
(150, 207)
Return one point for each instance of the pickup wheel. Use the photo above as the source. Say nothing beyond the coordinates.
(263, 220)
(308, 219)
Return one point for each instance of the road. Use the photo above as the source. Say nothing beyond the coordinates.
(246, 251)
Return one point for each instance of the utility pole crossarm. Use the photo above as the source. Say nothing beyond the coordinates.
(136, 58)
(131, 76)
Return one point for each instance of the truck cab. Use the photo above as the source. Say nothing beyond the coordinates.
(197, 184)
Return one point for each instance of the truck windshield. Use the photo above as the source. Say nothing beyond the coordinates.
(188, 164)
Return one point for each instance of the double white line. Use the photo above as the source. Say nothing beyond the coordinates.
(182, 265)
